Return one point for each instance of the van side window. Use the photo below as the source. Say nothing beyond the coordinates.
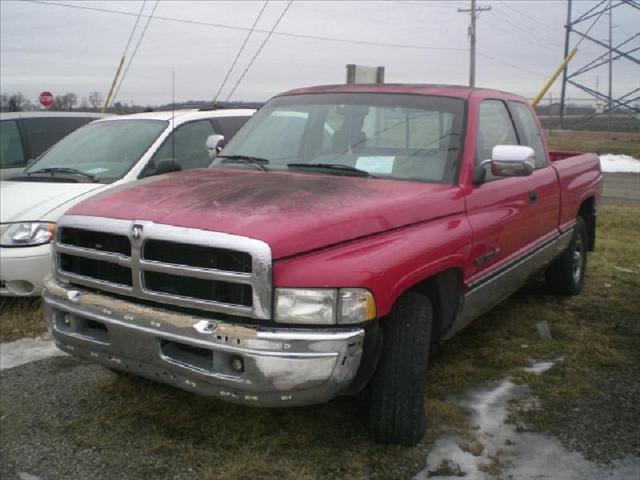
(188, 147)
(494, 128)
(528, 131)
(11, 153)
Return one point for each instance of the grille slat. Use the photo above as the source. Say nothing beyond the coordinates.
(201, 289)
(103, 271)
(101, 241)
(186, 267)
(197, 256)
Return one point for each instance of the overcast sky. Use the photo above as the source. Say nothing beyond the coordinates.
(63, 49)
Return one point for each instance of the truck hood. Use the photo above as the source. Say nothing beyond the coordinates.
(27, 201)
(292, 212)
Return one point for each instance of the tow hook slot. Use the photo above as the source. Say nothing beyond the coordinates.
(84, 327)
(202, 359)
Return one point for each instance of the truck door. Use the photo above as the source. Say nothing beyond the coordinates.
(502, 211)
(547, 187)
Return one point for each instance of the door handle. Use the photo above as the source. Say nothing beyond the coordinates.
(533, 197)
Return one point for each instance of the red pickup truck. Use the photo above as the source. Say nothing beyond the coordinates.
(342, 231)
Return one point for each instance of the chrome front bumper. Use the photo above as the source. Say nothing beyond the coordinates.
(246, 364)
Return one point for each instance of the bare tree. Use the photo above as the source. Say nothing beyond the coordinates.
(16, 102)
(95, 100)
(66, 101)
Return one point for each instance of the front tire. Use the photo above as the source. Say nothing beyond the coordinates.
(396, 409)
(566, 274)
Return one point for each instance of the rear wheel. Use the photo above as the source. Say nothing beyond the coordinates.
(396, 409)
(566, 274)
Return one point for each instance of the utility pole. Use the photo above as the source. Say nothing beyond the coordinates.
(475, 12)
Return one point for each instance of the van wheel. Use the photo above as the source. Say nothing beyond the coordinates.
(566, 274)
(396, 408)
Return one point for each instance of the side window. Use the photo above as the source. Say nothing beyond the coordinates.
(494, 128)
(230, 125)
(528, 131)
(42, 133)
(188, 146)
(11, 154)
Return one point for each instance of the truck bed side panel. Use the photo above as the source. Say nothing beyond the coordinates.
(580, 178)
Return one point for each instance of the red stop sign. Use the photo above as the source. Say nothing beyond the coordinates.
(46, 99)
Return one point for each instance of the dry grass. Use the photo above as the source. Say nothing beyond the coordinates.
(598, 142)
(19, 318)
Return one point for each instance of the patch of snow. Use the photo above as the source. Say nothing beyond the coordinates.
(27, 476)
(539, 367)
(613, 162)
(25, 350)
(520, 455)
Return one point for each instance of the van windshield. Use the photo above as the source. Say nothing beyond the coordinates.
(105, 150)
(408, 137)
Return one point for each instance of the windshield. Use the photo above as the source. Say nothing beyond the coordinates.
(409, 137)
(105, 150)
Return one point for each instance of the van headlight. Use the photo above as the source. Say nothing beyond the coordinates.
(324, 306)
(27, 234)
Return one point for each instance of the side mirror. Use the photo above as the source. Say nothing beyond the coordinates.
(214, 145)
(167, 165)
(508, 161)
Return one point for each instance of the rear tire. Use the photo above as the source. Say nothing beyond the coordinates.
(397, 389)
(566, 274)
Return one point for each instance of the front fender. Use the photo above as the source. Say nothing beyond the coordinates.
(387, 264)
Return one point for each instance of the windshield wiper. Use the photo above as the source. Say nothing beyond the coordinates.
(338, 168)
(248, 159)
(73, 171)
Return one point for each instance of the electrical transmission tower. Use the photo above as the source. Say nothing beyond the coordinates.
(581, 27)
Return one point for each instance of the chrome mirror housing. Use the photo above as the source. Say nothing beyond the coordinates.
(214, 145)
(512, 161)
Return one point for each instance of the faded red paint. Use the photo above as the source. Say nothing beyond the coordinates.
(385, 235)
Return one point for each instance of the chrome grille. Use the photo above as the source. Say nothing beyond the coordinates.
(181, 266)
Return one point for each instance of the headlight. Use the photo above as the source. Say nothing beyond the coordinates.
(27, 234)
(322, 306)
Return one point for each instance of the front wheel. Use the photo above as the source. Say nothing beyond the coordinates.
(396, 409)
(566, 274)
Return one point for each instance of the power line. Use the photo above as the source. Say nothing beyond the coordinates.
(516, 67)
(275, 25)
(524, 29)
(245, 29)
(528, 17)
(134, 28)
(135, 50)
(244, 44)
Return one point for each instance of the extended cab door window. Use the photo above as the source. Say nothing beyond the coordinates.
(188, 145)
(494, 128)
(528, 131)
(11, 153)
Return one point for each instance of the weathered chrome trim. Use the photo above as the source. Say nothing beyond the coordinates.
(259, 278)
(490, 290)
(282, 366)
